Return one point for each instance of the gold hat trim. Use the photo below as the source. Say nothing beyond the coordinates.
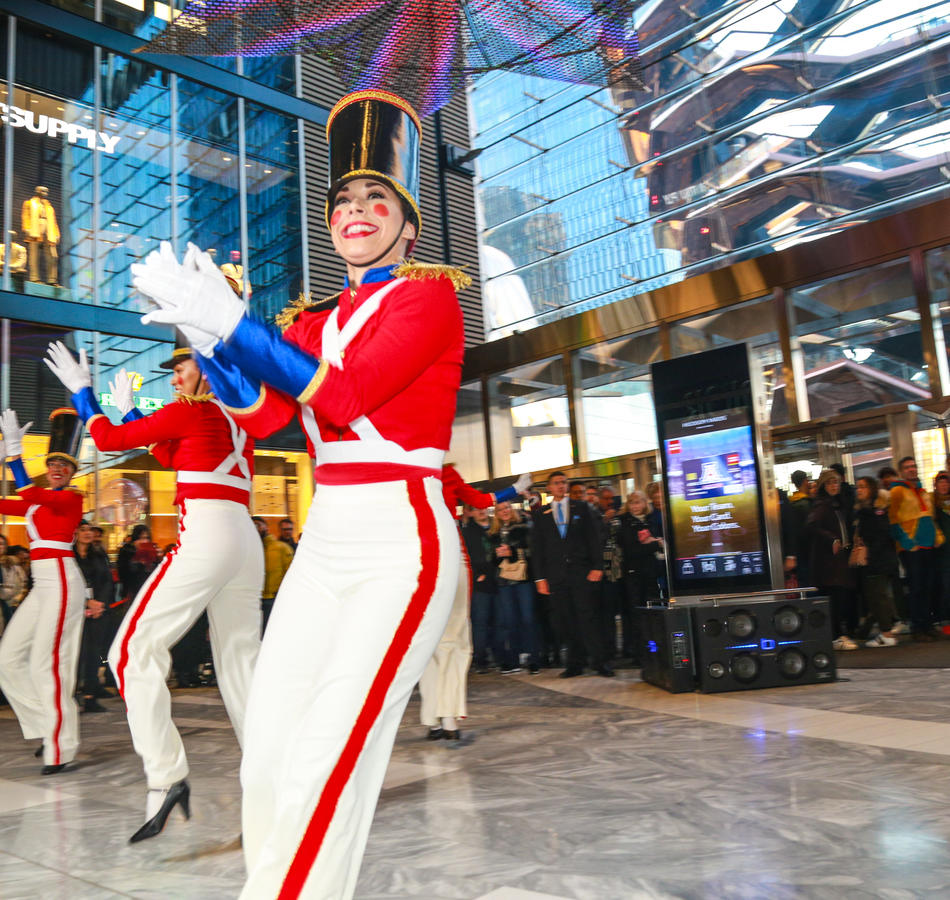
(395, 185)
(384, 96)
(58, 454)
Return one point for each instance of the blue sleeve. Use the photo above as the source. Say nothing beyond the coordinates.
(86, 404)
(230, 384)
(132, 415)
(509, 493)
(901, 536)
(19, 472)
(265, 355)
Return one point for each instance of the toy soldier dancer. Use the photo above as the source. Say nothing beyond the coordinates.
(443, 687)
(40, 647)
(217, 564)
(374, 378)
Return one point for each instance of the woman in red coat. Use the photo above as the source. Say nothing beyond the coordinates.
(39, 651)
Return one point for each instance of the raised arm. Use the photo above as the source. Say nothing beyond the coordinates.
(412, 330)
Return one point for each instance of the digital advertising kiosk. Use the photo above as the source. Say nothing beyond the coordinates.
(730, 624)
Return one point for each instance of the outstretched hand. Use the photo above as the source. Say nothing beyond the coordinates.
(12, 432)
(193, 295)
(74, 375)
(121, 390)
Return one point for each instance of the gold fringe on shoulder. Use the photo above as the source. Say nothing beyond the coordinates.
(417, 271)
(195, 398)
(286, 317)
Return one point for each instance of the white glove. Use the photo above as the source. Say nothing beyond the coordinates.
(523, 483)
(121, 390)
(163, 279)
(12, 432)
(74, 376)
(191, 297)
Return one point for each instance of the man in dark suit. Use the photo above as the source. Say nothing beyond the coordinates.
(568, 563)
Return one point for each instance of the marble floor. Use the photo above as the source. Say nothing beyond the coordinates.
(580, 789)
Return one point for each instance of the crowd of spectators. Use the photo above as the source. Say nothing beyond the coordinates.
(878, 549)
(556, 585)
(112, 585)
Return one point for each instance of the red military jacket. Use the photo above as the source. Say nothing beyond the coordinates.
(456, 491)
(381, 407)
(52, 518)
(213, 458)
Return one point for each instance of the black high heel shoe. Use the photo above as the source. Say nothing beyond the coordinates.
(177, 793)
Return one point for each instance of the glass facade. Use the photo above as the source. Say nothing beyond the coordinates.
(612, 381)
(529, 420)
(837, 362)
(859, 337)
(763, 123)
(103, 156)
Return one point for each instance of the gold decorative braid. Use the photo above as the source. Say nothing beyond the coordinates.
(315, 382)
(253, 408)
(416, 271)
(195, 398)
(288, 315)
(387, 179)
(384, 96)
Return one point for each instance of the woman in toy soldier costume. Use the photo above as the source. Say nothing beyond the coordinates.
(373, 376)
(40, 647)
(217, 564)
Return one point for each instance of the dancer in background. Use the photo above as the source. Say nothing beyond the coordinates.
(443, 687)
(40, 647)
(217, 564)
(373, 377)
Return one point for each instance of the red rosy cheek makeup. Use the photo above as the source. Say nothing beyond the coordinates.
(381, 211)
(335, 217)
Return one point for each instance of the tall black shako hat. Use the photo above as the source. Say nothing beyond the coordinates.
(65, 435)
(375, 134)
(181, 352)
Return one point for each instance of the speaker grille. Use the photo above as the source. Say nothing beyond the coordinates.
(745, 667)
(792, 663)
(740, 624)
(756, 643)
(788, 621)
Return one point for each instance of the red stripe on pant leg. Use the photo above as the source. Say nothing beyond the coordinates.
(326, 806)
(124, 649)
(57, 681)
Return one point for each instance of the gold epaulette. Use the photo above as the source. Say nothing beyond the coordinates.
(288, 315)
(416, 271)
(195, 398)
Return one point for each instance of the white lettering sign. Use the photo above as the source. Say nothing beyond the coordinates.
(53, 127)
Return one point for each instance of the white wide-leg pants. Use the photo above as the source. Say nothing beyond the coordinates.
(39, 655)
(443, 688)
(217, 565)
(356, 619)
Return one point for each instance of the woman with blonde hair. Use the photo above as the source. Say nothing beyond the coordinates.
(638, 542)
(515, 631)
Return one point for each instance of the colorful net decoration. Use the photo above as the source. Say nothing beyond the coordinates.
(422, 50)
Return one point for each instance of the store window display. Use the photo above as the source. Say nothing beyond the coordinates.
(41, 234)
(17, 256)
